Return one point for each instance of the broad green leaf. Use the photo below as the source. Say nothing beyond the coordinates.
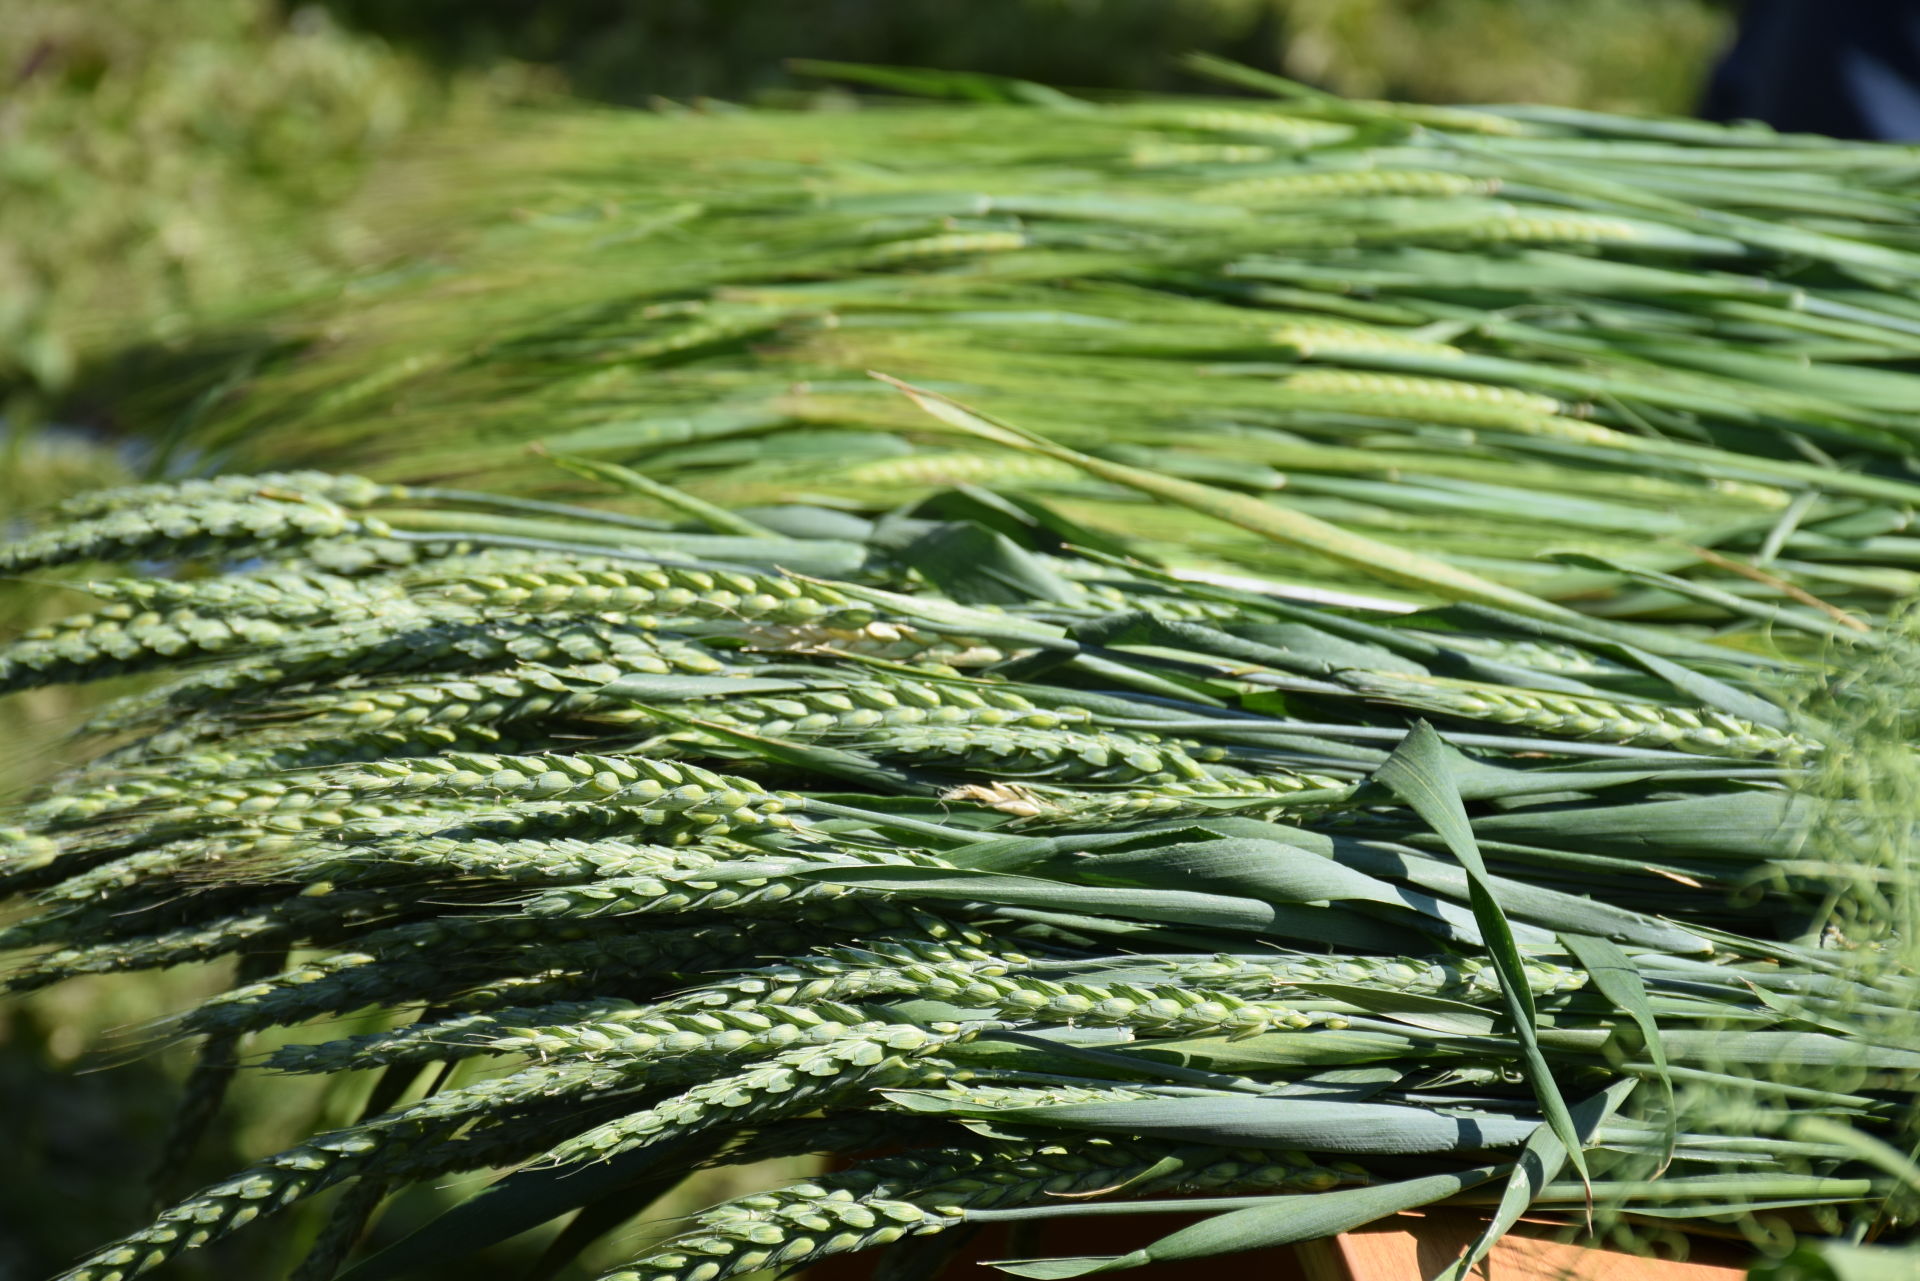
(1862, 1146)
(1141, 628)
(833, 762)
(1239, 1120)
(1739, 825)
(1072, 1043)
(1017, 853)
(1176, 907)
(1419, 773)
(1321, 653)
(978, 566)
(1725, 1048)
(797, 520)
(1270, 1050)
(1730, 1190)
(1803, 619)
(638, 436)
(1021, 517)
(1548, 908)
(1613, 973)
(1481, 780)
(1268, 870)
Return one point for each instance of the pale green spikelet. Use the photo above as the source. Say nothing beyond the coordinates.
(404, 642)
(402, 962)
(526, 692)
(1390, 388)
(114, 642)
(1600, 719)
(879, 968)
(622, 782)
(1164, 1010)
(1286, 188)
(510, 861)
(758, 896)
(959, 244)
(1316, 339)
(283, 595)
(333, 487)
(1270, 793)
(95, 795)
(1017, 751)
(857, 708)
(1166, 151)
(894, 642)
(665, 590)
(1257, 975)
(792, 1082)
(934, 470)
(1286, 130)
(178, 530)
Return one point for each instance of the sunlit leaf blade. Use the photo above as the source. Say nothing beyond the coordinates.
(1614, 975)
(1539, 1164)
(1419, 773)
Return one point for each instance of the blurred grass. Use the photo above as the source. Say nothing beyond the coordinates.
(1609, 55)
(1645, 54)
(162, 157)
(38, 467)
(82, 1127)
(165, 159)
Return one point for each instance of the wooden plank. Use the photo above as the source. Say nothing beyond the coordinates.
(1089, 1235)
(1415, 1247)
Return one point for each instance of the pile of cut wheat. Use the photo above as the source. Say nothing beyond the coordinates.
(1021, 845)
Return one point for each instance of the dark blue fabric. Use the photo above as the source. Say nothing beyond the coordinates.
(1849, 68)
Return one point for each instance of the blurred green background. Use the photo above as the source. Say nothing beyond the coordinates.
(161, 156)
(162, 160)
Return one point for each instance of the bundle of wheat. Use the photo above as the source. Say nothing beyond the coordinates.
(1031, 884)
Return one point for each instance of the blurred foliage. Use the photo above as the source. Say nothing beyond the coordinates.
(161, 156)
(158, 157)
(1614, 54)
(38, 467)
(91, 1123)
